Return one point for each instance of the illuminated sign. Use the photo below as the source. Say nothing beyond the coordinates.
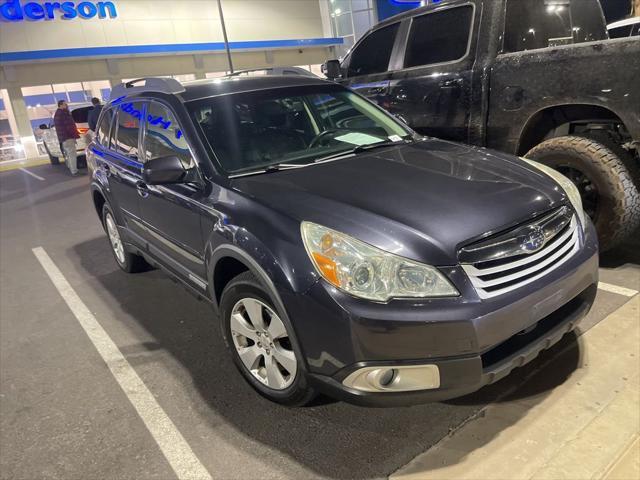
(17, 11)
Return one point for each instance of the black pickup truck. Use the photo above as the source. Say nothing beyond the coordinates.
(539, 78)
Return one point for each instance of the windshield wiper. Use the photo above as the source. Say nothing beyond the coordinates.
(277, 167)
(371, 146)
(362, 148)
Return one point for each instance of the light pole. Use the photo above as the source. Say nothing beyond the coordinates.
(224, 34)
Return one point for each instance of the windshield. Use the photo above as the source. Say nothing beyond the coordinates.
(249, 131)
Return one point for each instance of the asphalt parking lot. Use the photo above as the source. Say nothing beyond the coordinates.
(63, 415)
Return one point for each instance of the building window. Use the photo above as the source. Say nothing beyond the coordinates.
(350, 19)
(42, 101)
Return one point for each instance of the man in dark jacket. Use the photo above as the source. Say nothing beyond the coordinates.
(67, 132)
(94, 114)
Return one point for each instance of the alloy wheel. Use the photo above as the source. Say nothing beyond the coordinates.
(114, 238)
(263, 344)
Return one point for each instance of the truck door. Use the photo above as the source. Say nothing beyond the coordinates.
(367, 66)
(431, 87)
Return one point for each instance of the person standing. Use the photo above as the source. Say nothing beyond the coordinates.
(67, 135)
(94, 114)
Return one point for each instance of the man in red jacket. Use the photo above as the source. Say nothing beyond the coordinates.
(67, 135)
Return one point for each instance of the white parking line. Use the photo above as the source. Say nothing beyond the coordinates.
(24, 170)
(607, 287)
(171, 442)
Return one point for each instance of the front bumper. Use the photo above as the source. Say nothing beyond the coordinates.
(473, 342)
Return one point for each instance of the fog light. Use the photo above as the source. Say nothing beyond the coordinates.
(394, 379)
(380, 378)
(387, 377)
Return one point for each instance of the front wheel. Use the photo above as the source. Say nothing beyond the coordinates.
(609, 193)
(261, 343)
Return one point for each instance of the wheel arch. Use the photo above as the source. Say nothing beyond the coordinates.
(99, 199)
(556, 120)
(226, 262)
(232, 255)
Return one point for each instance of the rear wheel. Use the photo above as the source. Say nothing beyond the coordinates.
(607, 186)
(127, 261)
(261, 343)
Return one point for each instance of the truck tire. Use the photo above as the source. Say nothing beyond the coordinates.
(609, 192)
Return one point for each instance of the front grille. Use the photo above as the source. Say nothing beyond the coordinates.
(505, 269)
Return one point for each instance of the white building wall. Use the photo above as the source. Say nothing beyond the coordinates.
(152, 22)
(143, 23)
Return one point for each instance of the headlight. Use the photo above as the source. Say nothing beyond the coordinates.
(368, 272)
(567, 185)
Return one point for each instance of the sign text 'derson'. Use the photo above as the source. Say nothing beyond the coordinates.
(18, 11)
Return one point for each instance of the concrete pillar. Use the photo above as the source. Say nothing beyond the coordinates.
(22, 123)
(12, 119)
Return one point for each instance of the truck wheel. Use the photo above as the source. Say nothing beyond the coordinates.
(609, 193)
(52, 159)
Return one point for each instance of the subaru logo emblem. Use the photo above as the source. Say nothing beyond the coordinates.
(533, 241)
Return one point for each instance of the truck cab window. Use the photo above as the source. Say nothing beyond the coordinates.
(439, 37)
(372, 55)
(533, 24)
(588, 22)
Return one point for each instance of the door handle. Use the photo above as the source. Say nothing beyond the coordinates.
(143, 189)
(451, 83)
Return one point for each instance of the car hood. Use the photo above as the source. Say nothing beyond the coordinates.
(422, 201)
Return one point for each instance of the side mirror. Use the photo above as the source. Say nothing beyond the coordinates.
(331, 69)
(43, 126)
(164, 170)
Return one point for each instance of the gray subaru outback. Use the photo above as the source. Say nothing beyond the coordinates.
(342, 252)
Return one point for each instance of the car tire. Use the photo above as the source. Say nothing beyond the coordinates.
(259, 342)
(52, 159)
(127, 261)
(607, 185)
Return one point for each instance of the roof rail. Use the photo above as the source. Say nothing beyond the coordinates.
(151, 84)
(275, 71)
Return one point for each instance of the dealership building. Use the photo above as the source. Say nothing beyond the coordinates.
(79, 50)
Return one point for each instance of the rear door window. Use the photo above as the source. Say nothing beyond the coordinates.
(128, 131)
(439, 37)
(372, 55)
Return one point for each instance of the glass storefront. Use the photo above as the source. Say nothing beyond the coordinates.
(42, 101)
(350, 19)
